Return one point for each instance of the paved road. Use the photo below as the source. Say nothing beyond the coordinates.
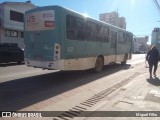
(25, 88)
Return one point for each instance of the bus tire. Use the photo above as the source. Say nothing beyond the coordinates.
(125, 59)
(99, 64)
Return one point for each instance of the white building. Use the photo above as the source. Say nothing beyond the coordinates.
(114, 19)
(12, 21)
(140, 44)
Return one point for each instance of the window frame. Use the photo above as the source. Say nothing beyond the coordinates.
(11, 33)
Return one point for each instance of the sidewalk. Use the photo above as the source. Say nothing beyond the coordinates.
(141, 94)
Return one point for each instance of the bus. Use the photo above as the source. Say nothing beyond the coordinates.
(61, 39)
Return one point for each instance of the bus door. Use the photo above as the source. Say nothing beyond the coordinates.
(114, 44)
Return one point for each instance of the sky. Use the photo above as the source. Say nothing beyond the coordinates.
(141, 16)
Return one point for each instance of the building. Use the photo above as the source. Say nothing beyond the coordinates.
(155, 40)
(12, 21)
(114, 19)
(140, 44)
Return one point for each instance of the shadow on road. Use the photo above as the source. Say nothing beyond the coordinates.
(154, 81)
(10, 64)
(20, 93)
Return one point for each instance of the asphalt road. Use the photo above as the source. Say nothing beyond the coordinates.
(22, 86)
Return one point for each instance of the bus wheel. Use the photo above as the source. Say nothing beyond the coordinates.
(99, 64)
(125, 59)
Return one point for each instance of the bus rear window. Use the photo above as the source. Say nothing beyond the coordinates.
(43, 20)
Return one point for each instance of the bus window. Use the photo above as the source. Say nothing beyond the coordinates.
(75, 28)
(104, 34)
(71, 27)
(128, 38)
(106, 30)
(88, 31)
(120, 37)
(80, 28)
(92, 30)
(113, 39)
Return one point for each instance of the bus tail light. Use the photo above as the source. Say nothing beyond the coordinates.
(57, 51)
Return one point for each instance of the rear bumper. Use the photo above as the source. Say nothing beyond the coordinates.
(52, 65)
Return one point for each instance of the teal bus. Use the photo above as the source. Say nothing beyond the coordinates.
(62, 39)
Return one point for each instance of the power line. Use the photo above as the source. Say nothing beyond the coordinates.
(157, 5)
